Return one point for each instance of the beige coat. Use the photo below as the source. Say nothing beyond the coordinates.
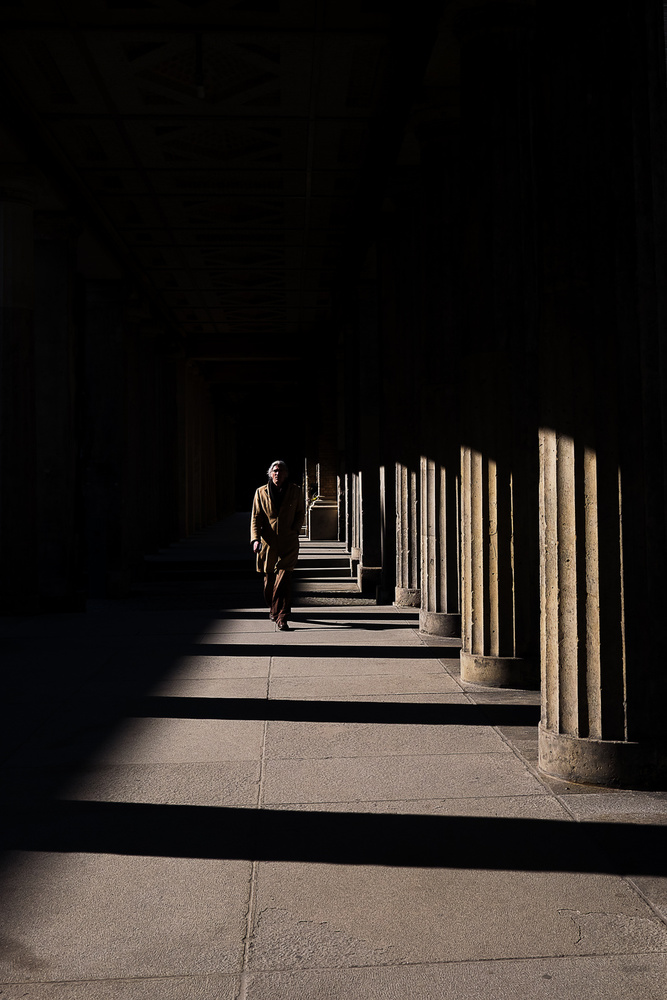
(279, 533)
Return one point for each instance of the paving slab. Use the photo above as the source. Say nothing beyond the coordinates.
(504, 696)
(294, 740)
(153, 741)
(97, 916)
(227, 783)
(117, 626)
(617, 977)
(265, 637)
(180, 686)
(352, 779)
(334, 685)
(166, 623)
(503, 807)
(58, 668)
(319, 916)
(619, 807)
(425, 698)
(345, 665)
(198, 666)
(217, 628)
(322, 636)
(180, 988)
(356, 614)
(654, 891)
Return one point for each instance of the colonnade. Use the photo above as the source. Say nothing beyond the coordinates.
(529, 496)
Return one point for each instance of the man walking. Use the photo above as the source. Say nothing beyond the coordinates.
(277, 516)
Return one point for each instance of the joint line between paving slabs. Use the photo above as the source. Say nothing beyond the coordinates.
(250, 916)
(262, 755)
(535, 772)
(248, 929)
(656, 909)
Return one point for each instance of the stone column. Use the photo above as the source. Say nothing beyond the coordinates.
(182, 422)
(439, 377)
(18, 529)
(57, 427)
(147, 496)
(209, 500)
(226, 455)
(194, 430)
(399, 276)
(408, 529)
(439, 493)
(601, 143)
(499, 584)
(160, 510)
(326, 449)
(311, 478)
(342, 493)
(109, 558)
(499, 423)
(355, 521)
(344, 310)
(323, 513)
(369, 570)
(196, 445)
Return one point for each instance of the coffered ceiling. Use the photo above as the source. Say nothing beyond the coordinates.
(232, 150)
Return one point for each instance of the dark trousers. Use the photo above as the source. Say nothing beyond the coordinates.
(278, 593)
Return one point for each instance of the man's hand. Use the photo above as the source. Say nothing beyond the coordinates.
(256, 546)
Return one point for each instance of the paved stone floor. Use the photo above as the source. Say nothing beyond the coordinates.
(200, 808)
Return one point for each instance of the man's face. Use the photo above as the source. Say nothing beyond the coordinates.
(278, 474)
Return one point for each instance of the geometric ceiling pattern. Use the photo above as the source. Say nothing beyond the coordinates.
(223, 143)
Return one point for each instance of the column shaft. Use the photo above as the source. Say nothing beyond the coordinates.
(438, 398)
(499, 413)
(18, 529)
(603, 397)
(105, 465)
(369, 570)
(399, 277)
(439, 493)
(408, 592)
(57, 436)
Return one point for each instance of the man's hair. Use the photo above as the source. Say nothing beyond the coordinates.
(278, 462)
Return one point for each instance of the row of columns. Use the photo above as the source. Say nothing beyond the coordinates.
(107, 436)
(529, 487)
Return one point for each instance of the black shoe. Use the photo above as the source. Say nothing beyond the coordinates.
(283, 627)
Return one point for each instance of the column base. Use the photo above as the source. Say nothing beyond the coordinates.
(440, 623)
(498, 671)
(612, 763)
(404, 597)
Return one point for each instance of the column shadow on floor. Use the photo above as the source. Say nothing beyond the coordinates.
(311, 651)
(409, 620)
(359, 712)
(338, 838)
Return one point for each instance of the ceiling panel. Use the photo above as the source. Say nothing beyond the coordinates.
(222, 143)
